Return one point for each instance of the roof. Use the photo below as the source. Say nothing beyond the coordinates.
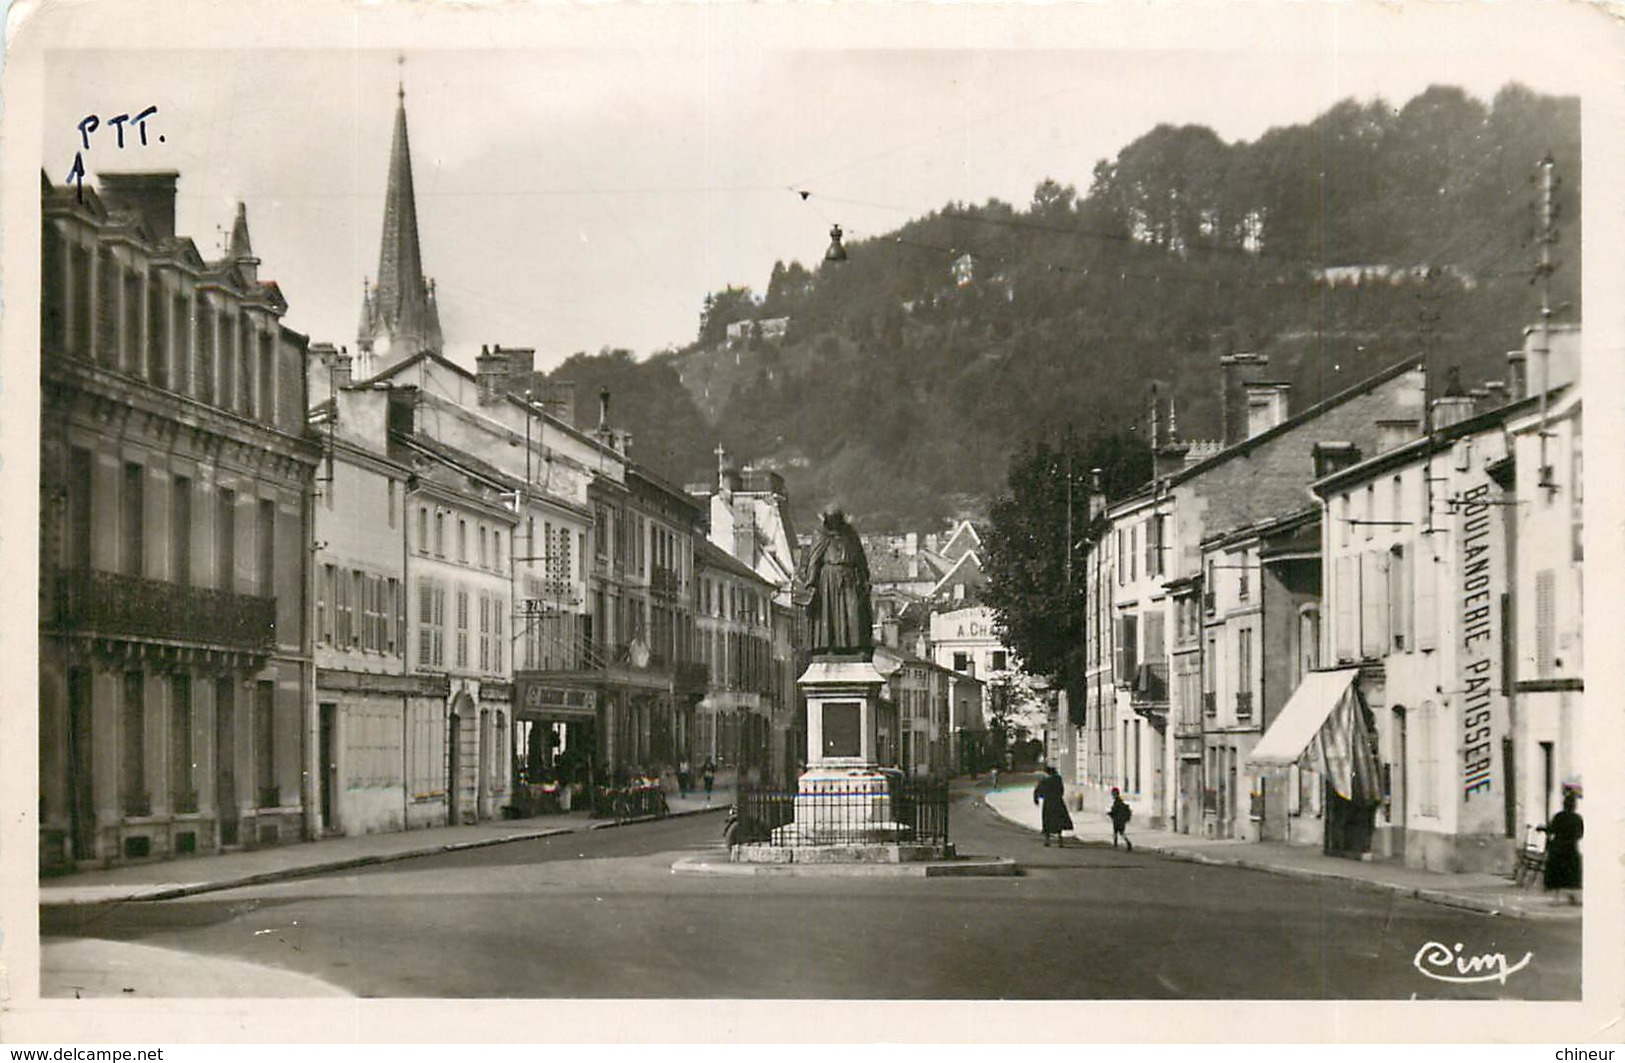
(384, 375)
(1263, 529)
(965, 530)
(890, 565)
(453, 455)
(709, 555)
(1429, 443)
(1332, 402)
(974, 566)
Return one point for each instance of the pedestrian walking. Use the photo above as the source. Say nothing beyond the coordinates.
(708, 773)
(993, 778)
(684, 777)
(1563, 836)
(1120, 814)
(1050, 793)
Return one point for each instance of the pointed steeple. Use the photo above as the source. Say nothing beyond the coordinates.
(399, 317)
(240, 252)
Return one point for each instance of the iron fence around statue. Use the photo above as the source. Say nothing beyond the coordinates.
(918, 815)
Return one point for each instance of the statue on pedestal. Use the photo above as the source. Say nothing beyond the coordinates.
(835, 575)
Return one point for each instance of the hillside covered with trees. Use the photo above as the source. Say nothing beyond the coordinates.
(908, 374)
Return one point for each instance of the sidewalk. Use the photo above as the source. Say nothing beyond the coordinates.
(1494, 894)
(162, 880)
(89, 967)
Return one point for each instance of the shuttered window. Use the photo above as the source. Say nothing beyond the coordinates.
(1345, 599)
(1545, 622)
(1424, 576)
(1373, 603)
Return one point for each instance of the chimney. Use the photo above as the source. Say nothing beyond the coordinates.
(559, 399)
(1234, 371)
(1496, 394)
(1452, 409)
(932, 542)
(521, 360)
(1330, 457)
(1266, 405)
(151, 194)
(605, 434)
(1517, 375)
(342, 368)
(490, 374)
(911, 543)
(1097, 495)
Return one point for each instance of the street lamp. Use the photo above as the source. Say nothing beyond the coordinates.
(837, 251)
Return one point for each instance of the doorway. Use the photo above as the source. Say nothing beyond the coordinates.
(482, 781)
(326, 746)
(1398, 780)
(225, 759)
(81, 780)
(453, 765)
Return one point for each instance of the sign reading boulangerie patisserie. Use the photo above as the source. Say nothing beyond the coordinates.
(1481, 577)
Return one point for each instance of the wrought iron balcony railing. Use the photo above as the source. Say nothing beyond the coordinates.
(1151, 683)
(664, 581)
(111, 604)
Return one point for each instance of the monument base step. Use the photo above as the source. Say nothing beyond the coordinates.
(839, 853)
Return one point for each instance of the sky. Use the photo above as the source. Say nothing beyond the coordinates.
(576, 198)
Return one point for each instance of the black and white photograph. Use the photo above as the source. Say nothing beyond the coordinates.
(680, 504)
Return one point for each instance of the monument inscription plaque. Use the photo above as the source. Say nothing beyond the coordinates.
(843, 729)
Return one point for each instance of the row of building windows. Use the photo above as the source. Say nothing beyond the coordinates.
(359, 610)
(730, 601)
(137, 516)
(491, 635)
(432, 534)
(1130, 562)
(126, 319)
(136, 706)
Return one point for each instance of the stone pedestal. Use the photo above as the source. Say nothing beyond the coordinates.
(842, 799)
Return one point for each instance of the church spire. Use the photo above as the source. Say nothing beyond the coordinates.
(239, 250)
(399, 317)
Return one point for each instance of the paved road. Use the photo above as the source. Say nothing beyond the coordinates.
(601, 915)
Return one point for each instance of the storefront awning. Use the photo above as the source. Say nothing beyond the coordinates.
(1305, 712)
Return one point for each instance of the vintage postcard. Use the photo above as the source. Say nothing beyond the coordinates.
(854, 522)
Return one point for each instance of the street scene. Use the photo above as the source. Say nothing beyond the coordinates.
(639, 537)
(599, 913)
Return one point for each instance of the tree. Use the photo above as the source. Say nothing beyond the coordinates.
(722, 309)
(1035, 575)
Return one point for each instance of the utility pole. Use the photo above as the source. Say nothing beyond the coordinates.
(1543, 273)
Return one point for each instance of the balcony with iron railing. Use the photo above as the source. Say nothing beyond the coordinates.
(665, 582)
(112, 605)
(1150, 683)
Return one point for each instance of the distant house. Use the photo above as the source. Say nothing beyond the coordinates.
(964, 270)
(772, 328)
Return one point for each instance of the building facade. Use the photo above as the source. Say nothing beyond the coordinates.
(175, 487)
(1427, 549)
(736, 636)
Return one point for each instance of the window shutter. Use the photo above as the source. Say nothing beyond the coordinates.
(1373, 604)
(1545, 622)
(1425, 576)
(425, 622)
(1345, 593)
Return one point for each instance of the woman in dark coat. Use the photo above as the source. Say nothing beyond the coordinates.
(1051, 793)
(1563, 836)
